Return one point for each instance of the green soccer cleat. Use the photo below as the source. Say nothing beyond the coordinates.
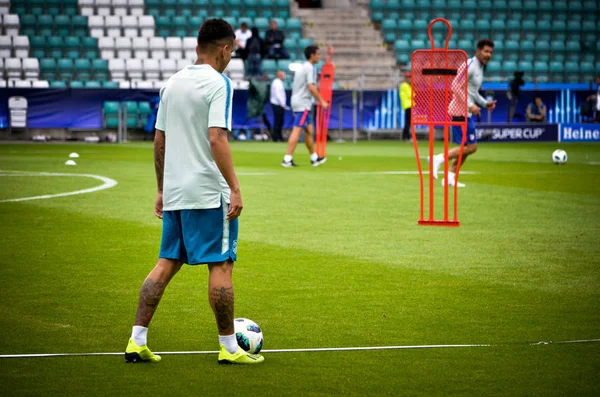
(139, 354)
(240, 357)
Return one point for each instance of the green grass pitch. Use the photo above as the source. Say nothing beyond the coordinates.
(328, 257)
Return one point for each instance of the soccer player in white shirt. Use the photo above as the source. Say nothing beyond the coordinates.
(303, 92)
(198, 196)
(476, 65)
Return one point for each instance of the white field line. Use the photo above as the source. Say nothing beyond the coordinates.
(308, 350)
(107, 184)
(405, 173)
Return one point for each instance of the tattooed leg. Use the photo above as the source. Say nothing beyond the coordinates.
(153, 288)
(220, 295)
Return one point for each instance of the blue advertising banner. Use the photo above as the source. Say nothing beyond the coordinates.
(517, 132)
(579, 133)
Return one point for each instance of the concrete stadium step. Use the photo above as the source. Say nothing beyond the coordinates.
(342, 61)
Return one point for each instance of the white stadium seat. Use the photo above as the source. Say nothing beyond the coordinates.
(151, 69)
(107, 47)
(146, 23)
(136, 7)
(130, 26)
(174, 47)
(168, 68)
(113, 26)
(235, 69)
(5, 46)
(31, 68)
(11, 24)
(182, 63)
(96, 25)
(140, 47)
(119, 7)
(134, 69)
(13, 68)
(21, 46)
(103, 7)
(4, 7)
(157, 47)
(124, 84)
(144, 85)
(21, 83)
(2, 83)
(117, 69)
(123, 47)
(159, 84)
(40, 84)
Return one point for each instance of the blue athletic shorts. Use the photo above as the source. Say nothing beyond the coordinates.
(199, 236)
(302, 119)
(471, 135)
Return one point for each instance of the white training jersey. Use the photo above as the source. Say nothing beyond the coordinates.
(194, 99)
(302, 99)
(475, 76)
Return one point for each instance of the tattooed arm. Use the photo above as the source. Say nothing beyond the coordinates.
(159, 168)
(219, 147)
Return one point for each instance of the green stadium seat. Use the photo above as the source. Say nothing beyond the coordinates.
(48, 69)
(72, 47)
(377, 16)
(304, 42)
(144, 110)
(100, 69)
(493, 67)
(132, 109)
(467, 25)
(573, 46)
(65, 69)
(559, 26)
(28, 21)
(544, 26)
(571, 68)
(90, 84)
(262, 24)
(486, 5)
(377, 5)
(76, 84)
(404, 25)
(417, 45)
(530, 6)
(79, 24)
(294, 24)
(83, 69)
(186, 7)
(58, 84)
(402, 46)
(407, 5)
(63, 25)
(110, 84)
(465, 45)
(525, 66)
(56, 46)
(45, 25)
(290, 44)
(110, 114)
(420, 25)
(540, 67)
(402, 58)
(163, 26)
(509, 67)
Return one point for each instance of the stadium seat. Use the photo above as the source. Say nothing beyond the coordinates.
(107, 47)
(110, 84)
(168, 67)
(157, 47)
(163, 26)
(89, 84)
(151, 69)
(134, 69)
(131, 110)
(130, 25)
(45, 25)
(72, 47)
(58, 84)
(117, 69)
(62, 24)
(65, 69)
(110, 114)
(40, 84)
(140, 47)
(180, 26)
(100, 69)
(120, 7)
(113, 26)
(123, 47)
(79, 25)
(103, 7)
(55, 46)
(136, 7)
(509, 67)
(96, 25)
(20, 83)
(83, 69)
(6, 46)
(174, 47)
(146, 24)
(31, 68)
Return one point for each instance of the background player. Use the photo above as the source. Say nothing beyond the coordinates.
(200, 200)
(475, 101)
(303, 92)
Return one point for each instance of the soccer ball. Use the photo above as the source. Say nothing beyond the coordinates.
(249, 335)
(559, 156)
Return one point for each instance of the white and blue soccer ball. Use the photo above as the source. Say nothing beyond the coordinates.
(248, 334)
(559, 157)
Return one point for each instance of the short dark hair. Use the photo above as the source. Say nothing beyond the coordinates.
(213, 31)
(244, 25)
(310, 50)
(484, 43)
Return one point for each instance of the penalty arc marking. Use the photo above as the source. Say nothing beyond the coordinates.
(107, 183)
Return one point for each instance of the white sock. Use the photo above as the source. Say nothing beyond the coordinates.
(314, 157)
(439, 157)
(230, 342)
(139, 335)
(287, 158)
(451, 176)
